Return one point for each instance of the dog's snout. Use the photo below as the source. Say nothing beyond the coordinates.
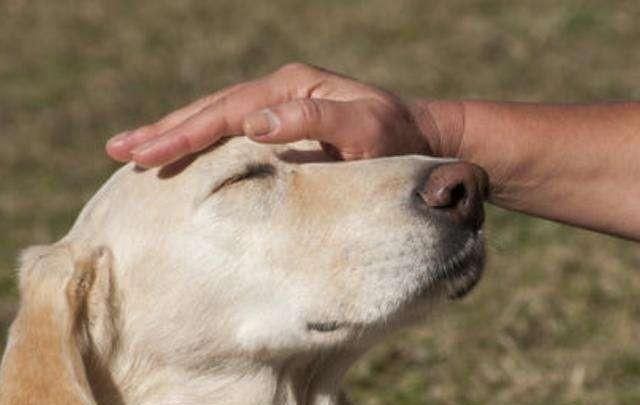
(457, 190)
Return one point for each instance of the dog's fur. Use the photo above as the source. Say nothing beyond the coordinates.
(246, 275)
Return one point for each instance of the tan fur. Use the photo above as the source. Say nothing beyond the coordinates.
(170, 289)
(43, 360)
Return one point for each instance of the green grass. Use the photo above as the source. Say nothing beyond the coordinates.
(556, 319)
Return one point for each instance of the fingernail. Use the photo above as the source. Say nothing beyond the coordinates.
(261, 123)
(119, 139)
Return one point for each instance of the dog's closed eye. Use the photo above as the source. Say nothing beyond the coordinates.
(251, 171)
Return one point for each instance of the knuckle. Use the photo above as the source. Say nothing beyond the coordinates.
(298, 70)
(298, 77)
(293, 67)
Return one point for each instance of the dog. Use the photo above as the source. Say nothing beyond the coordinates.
(247, 274)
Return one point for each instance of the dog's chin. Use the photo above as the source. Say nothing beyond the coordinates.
(465, 280)
(461, 271)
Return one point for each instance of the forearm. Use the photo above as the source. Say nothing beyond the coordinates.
(578, 164)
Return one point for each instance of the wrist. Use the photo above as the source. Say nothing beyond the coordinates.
(442, 124)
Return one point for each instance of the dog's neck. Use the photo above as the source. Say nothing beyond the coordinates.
(313, 380)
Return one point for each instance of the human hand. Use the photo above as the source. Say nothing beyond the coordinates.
(352, 120)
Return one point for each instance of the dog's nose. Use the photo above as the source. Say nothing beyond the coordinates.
(457, 190)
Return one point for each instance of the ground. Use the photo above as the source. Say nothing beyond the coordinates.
(556, 320)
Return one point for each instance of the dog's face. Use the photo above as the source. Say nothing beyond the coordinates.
(260, 251)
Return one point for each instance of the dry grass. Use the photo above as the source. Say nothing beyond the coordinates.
(556, 319)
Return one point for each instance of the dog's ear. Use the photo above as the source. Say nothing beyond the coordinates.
(64, 297)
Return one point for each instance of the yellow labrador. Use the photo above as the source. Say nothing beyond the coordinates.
(246, 275)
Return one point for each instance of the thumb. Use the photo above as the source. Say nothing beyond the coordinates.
(306, 118)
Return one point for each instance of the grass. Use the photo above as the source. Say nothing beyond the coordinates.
(556, 319)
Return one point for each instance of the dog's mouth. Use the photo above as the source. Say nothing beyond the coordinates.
(324, 327)
(460, 272)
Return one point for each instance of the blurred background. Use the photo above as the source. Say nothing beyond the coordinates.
(556, 320)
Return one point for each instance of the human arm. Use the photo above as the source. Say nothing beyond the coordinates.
(577, 164)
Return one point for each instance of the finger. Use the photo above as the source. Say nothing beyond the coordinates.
(333, 122)
(222, 118)
(120, 146)
(199, 132)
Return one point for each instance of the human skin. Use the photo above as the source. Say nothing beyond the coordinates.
(576, 164)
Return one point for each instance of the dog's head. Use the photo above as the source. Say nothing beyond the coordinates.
(256, 252)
